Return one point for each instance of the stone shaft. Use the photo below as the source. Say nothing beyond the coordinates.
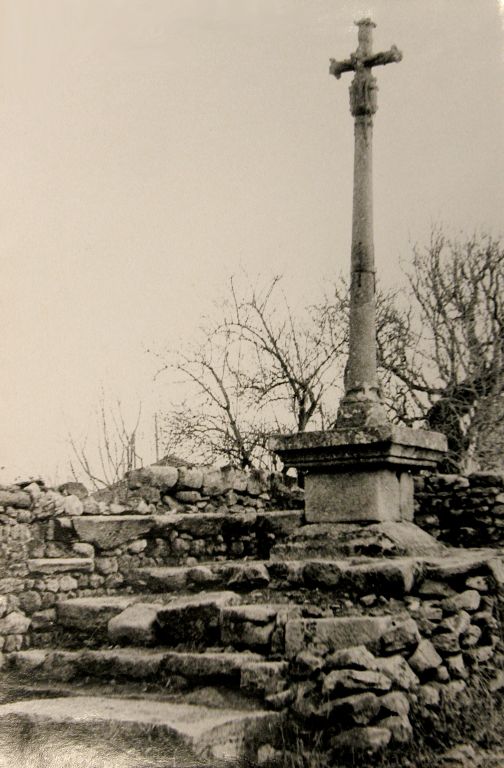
(361, 405)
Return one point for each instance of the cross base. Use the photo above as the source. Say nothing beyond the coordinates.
(360, 475)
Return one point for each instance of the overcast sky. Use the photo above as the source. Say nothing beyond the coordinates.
(151, 149)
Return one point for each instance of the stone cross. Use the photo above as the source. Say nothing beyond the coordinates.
(361, 405)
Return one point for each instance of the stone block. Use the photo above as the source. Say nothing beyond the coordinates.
(107, 532)
(52, 565)
(352, 680)
(14, 623)
(402, 635)
(263, 678)
(351, 658)
(137, 624)
(73, 506)
(367, 739)
(194, 619)
(367, 496)
(399, 727)
(16, 499)
(358, 709)
(426, 659)
(335, 633)
(190, 478)
(90, 613)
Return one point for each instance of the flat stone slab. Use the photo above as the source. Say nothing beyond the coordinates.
(110, 531)
(206, 732)
(395, 443)
(137, 664)
(136, 625)
(208, 664)
(51, 565)
(89, 613)
(335, 633)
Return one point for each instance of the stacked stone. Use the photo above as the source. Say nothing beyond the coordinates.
(361, 696)
(462, 511)
(54, 545)
(209, 489)
(459, 627)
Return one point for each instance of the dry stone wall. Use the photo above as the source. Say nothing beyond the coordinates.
(462, 511)
(56, 544)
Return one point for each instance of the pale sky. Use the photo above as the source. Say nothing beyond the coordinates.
(149, 150)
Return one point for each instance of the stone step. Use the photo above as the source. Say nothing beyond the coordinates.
(358, 576)
(338, 633)
(386, 539)
(145, 665)
(110, 729)
(191, 620)
(257, 627)
(107, 532)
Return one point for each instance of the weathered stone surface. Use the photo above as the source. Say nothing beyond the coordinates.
(249, 576)
(51, 565)
(306, 664)
(340, 680)
(351, 658)
(399, 727)
(399, 671)
(402, 635)
(90, 613)
(394, 703)
(263, 678)
(426, 659)
(365, 496)
(336, 633)
(358, 709)
(73, 506)
(190, 478)
(73, 488)
(466, 601)
(137, 624)
(14, 623)
(366, 739)
(435, 589)
(161, 578)
(457, 623)
(163, 477)
(107, 532)
(82, 549)
(43, 620)
(207, 732)
(193, 618)
(249, 625)
(208, 664)
(456, 667)
(429, 696)
(29, 602)
(106, 565)
(446, 643)
(16, 499)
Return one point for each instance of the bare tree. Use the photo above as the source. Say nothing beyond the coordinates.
(113, 449)
(448, 353)
(256, 371)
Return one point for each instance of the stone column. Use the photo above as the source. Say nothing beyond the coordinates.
(361, 405)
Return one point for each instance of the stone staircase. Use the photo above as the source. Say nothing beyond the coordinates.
(202, 654)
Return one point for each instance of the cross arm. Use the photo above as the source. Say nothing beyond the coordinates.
(337, 68)
(391, 56)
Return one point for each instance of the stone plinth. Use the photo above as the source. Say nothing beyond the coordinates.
(360, 475)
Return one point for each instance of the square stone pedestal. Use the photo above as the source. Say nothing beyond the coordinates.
(360, 475)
